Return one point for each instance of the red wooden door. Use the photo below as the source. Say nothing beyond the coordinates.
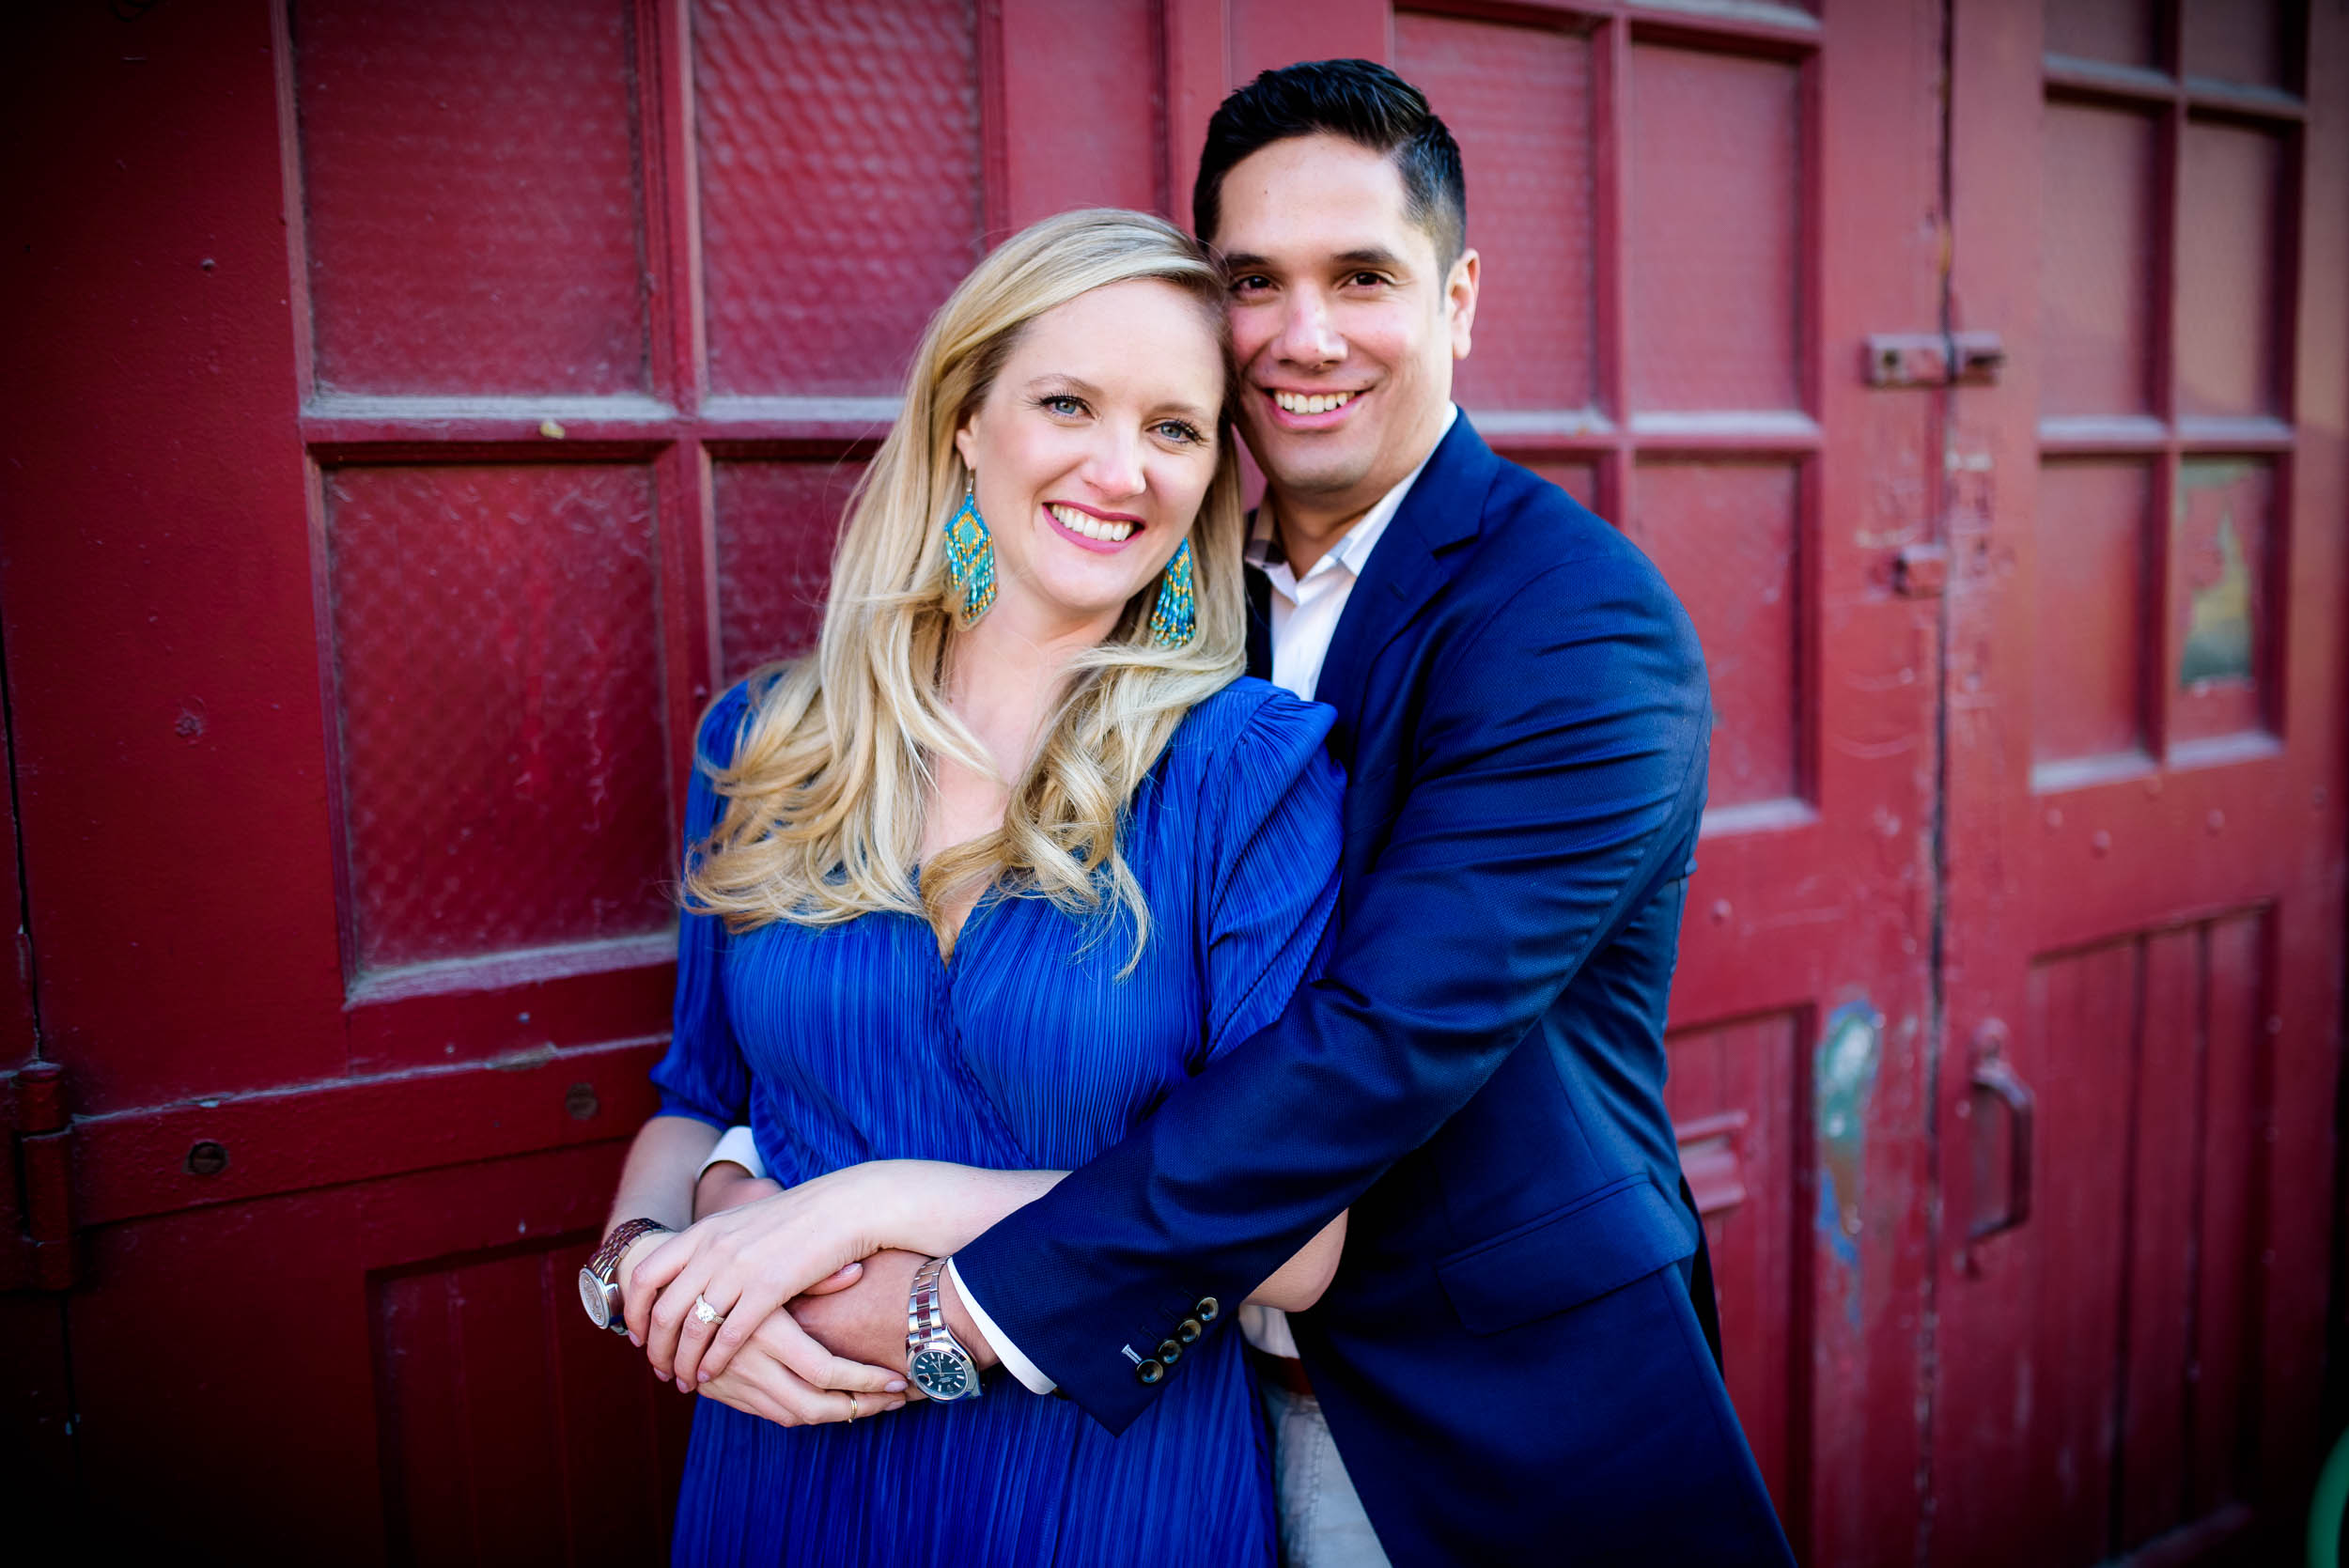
(2144, 822)
(427, 405)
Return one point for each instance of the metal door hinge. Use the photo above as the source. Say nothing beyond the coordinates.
(35, 1187)
(1934, 359)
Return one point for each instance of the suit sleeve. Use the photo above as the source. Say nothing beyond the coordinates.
(1560, 772)
(702, 1074)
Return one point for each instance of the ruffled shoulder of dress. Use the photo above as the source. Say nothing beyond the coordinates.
(721, 728)
(1250, 729)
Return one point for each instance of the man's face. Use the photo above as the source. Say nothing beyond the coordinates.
(1345, 321)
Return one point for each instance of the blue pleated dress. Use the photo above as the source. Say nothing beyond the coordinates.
(856, 1042)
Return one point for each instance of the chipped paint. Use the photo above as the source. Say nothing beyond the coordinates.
(1842, 1077)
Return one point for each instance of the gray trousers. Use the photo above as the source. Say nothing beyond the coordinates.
(1322, 1522)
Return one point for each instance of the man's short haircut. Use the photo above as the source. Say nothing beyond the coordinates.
(1361, 100)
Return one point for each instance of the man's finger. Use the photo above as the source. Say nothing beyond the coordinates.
(841, 1279)
(819, 1368)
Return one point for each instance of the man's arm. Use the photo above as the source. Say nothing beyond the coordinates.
(1562, 762)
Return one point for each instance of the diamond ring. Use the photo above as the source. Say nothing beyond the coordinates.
(705, 1313)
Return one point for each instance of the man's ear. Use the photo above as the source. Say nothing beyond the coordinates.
(1460, 300)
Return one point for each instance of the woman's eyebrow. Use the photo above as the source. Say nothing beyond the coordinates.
(1076, 384)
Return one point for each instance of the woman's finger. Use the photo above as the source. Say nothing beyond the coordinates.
(694, 1331)
(669, 1310)
(653, 1270)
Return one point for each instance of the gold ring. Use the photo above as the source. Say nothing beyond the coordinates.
(854, 1410)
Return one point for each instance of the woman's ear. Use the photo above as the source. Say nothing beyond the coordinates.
(967, 444)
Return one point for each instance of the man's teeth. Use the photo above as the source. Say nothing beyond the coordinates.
(1299, 402)
(1089, 525)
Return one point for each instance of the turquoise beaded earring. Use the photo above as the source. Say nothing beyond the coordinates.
(1176, 617)
(970, 555)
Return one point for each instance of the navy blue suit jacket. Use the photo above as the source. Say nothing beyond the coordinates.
(1508, 1358)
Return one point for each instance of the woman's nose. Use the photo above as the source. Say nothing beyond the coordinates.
(1114, 468)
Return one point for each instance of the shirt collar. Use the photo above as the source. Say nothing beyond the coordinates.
(1352, 551)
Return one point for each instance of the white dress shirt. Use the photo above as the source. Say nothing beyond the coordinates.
(1305, 615)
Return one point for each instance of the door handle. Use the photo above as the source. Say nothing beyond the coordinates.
(1993, 1077)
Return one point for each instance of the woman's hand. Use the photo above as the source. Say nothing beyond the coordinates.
(751, 1260)
(746, 1262)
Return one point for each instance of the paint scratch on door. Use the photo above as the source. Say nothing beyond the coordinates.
(1842, 1077)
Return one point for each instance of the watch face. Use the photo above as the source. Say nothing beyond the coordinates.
(940, 1374)
(591, 1297)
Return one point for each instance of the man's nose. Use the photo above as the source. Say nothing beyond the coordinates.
(1307, 336)
(1113, 468)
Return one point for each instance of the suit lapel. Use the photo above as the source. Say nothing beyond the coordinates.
(1445, 507)
(1259, 622)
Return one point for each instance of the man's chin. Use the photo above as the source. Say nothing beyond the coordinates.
(1301, 468)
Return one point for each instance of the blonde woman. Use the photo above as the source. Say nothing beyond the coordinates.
(968, 890)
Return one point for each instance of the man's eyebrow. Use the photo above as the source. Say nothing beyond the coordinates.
(1370, 256)
(1244, 261)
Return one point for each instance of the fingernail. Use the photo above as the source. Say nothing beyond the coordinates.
(683, 1387)
(895, 1385)
(701, 1377)
(635, 1341)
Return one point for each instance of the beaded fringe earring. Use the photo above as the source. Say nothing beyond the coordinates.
(971, 556)
(1176, 617)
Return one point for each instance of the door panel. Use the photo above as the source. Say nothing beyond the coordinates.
(2144, 853)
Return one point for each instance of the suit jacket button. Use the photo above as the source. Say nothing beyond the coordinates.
(1208, 1308)
(1188, 1330)
(1170, 1352)
(1150, 1373)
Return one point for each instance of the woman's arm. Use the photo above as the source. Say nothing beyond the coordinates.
(909, 1208)
(657, 1183)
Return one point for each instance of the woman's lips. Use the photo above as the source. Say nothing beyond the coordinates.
(1103, 535)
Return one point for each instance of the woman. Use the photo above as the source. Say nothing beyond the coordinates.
(969, 888)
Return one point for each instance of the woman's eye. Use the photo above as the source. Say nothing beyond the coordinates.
(1179, 430)
(1063, 403)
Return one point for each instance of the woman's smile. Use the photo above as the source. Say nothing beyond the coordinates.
(1106, 533)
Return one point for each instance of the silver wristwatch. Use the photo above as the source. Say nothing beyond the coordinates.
(599, 1282)
(935, 1360)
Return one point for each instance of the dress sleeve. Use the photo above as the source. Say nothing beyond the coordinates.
(1272, 871)
(703, 1076)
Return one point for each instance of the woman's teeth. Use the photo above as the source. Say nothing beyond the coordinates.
(1299, 402)
(1089, 525)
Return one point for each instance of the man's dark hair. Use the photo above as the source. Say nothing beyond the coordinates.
(1361, 100)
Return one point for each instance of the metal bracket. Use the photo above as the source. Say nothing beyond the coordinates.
(36, 1182)
(1934, 359)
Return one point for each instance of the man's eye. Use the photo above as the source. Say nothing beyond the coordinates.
(1252, 283)
(1367, 280)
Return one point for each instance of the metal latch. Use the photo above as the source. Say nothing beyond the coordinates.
(37, 1253)
(1934, 359)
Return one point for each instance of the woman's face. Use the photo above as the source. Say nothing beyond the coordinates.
(1094, 450)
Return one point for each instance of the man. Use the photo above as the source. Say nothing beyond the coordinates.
(1513, 1358)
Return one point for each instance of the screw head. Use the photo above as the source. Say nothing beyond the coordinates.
(582, 1102)
(208, 1158)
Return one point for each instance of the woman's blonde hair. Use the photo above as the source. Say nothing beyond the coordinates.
(823, 802)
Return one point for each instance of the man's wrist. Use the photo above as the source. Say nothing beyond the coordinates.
(964, 1327)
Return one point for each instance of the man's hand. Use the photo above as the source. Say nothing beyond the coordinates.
(758, 1383)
